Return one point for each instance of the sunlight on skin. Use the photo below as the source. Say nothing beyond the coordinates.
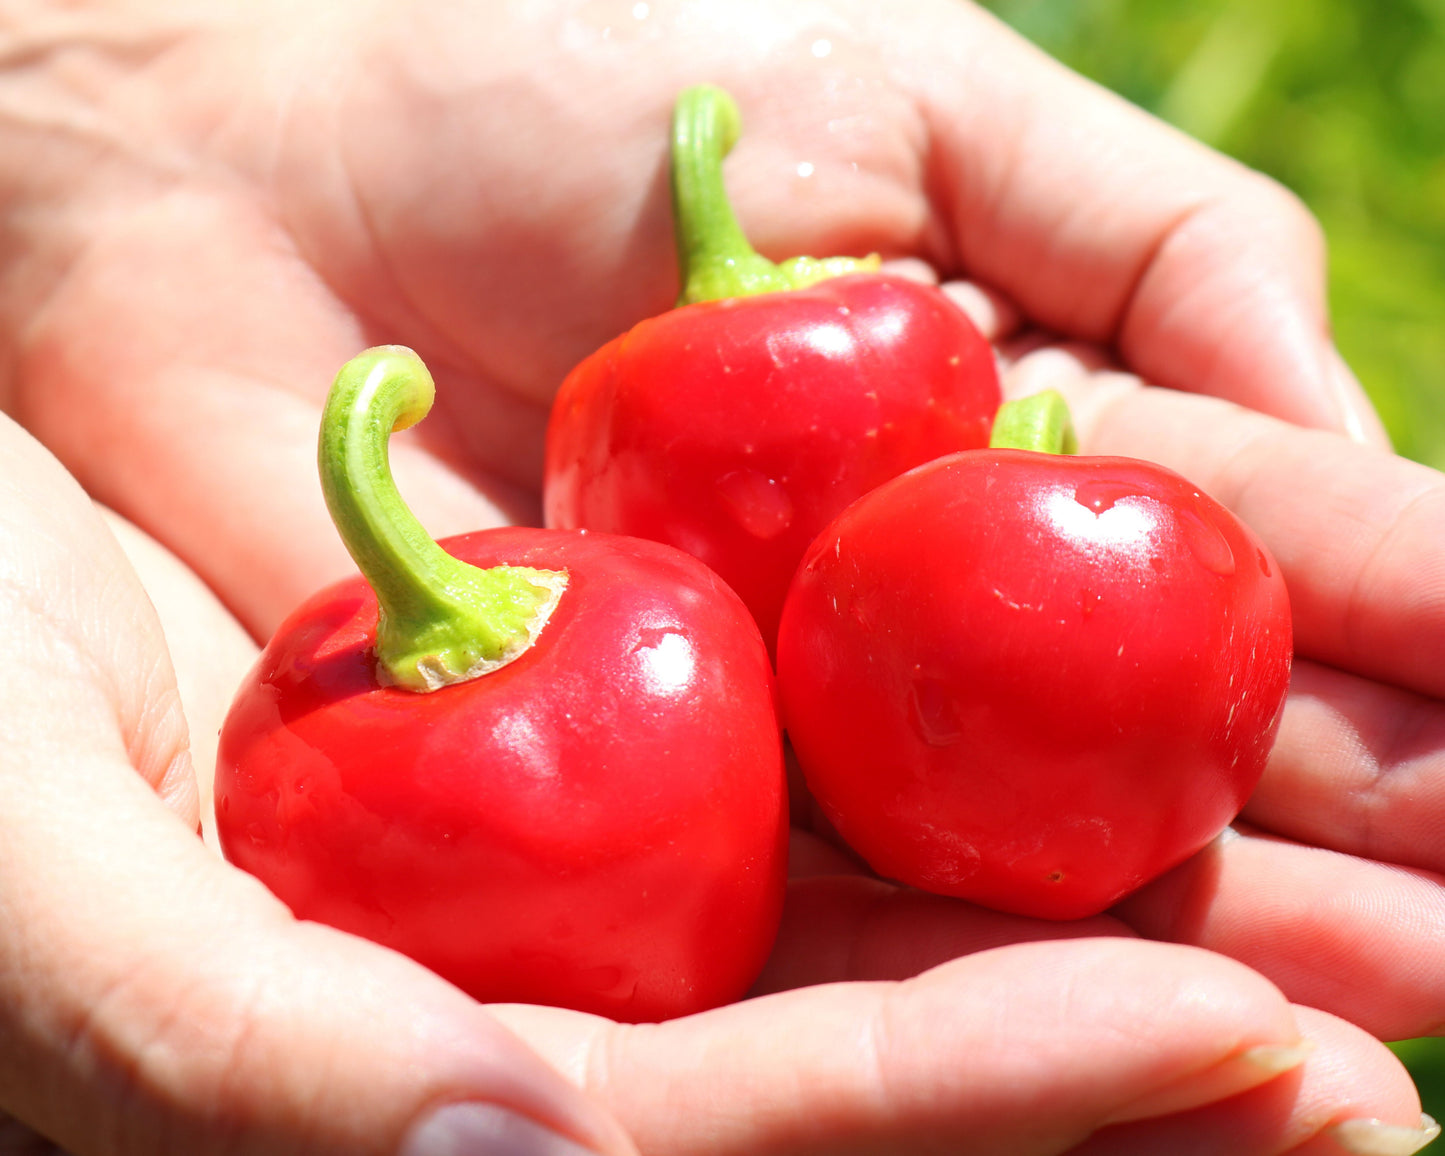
(961, 1080)
(336, 215)
(210, 650)
(896, 924)
(1342, 737)
(137, 971)
(266, 190)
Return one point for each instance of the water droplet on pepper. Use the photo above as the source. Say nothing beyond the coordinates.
(935, 713)
(758, 503)
(1206, 543)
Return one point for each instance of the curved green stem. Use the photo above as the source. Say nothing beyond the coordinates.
(442, 620)
(714, 258)
(1038, 422)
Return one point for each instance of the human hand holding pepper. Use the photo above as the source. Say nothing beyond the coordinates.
(154, 1000)
(504, 212)
(392, 179)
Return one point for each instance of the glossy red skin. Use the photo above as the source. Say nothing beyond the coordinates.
(1032, 681)
(737, 429)
(600, 824)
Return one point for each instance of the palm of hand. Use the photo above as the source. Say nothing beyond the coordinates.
(382, 184)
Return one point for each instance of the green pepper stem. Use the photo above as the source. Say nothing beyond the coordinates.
(714, 257)
(1039, 422)
(441, 620)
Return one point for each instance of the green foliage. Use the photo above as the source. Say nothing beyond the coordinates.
(1426, 1061)
(1338, 99)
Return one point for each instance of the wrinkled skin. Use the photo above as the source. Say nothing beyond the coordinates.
(209, 207)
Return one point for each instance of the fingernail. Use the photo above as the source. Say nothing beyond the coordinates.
(1274, 1059)
(913, 268)
(1376, 1138)
(1358, 417)
(1238, 1073)
(484, 1130)
(992, 314)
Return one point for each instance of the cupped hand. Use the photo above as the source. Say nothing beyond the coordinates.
(240, 197)
(219, 204)
(154, 1000)
(1333, 882)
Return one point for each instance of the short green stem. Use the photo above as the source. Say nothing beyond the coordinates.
(1039, 422)
(442, 621)
(714, 257)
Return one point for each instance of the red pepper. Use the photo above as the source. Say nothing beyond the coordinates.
(1030, 680)
(738, 425)
(547, 765)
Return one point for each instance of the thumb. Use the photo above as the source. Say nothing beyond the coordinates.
(153, 1000)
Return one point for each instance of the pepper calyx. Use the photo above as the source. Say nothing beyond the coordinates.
(494, 621)
(441, 620)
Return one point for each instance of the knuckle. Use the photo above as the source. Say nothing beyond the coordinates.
(1278, 207)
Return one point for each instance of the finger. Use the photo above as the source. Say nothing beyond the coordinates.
(1107, 225)
(1358, 939)
(153, 1000)
(810, 854)
(994, 315)
(1353, 767)
(1349, 1097)
(63, 578)
(175, 1007)
(209, 649)
(839, 928)
(985, 1054)
(1357, 767)
(1355, 530)
(912, 268)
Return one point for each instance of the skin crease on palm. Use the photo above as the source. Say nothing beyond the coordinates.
(220, 204)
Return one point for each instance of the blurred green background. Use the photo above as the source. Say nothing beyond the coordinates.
(1344, 102)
